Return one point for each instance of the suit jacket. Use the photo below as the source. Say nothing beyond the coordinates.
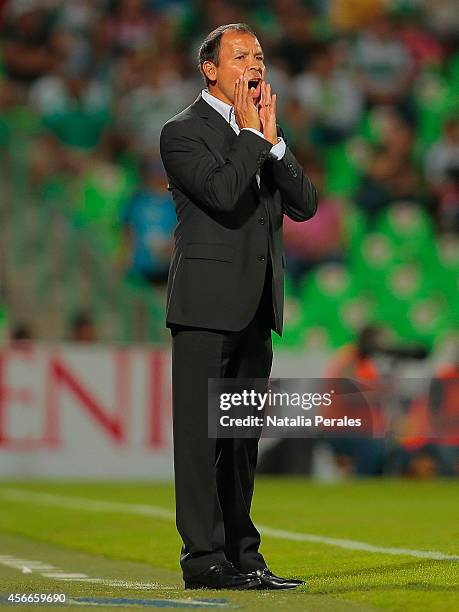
(227, 227)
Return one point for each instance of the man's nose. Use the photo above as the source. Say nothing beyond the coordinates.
(255, 67)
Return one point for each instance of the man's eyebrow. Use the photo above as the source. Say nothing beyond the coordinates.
(260, 52)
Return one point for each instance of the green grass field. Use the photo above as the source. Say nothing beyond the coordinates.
(360, 545)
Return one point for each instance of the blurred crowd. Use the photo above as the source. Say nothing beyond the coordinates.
(368, 95)
(368, 100)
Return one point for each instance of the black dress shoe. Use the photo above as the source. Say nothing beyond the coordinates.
(269, 581)
(223, 576)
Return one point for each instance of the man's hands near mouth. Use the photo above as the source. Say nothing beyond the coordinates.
(245, 111)
(267, 113)
(248, 115)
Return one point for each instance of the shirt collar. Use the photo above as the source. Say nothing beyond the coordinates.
(221, 107)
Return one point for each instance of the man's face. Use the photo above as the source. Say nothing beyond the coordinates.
(239, 52)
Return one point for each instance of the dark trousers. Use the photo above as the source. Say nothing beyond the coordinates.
(214, 478)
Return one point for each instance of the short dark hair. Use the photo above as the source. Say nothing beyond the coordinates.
(209, 50)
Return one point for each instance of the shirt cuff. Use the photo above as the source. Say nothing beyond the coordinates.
(278, 150)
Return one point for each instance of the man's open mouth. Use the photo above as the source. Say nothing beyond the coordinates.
(256, 85)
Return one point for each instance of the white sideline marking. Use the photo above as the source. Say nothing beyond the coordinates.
(63, 576)
(59, 574)
(84, 503)
(38, 565)
(25, 564)
(355, 544)
(155, 511)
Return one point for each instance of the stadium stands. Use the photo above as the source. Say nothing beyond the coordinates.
(83, 95)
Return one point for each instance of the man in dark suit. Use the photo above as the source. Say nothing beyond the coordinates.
(232, 178)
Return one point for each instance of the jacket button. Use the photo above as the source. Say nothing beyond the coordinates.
(261, 221)
(261, 258)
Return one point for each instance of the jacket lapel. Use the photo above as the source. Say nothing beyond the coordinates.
(220, 128)
(220, 136)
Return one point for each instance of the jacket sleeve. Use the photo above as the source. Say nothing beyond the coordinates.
(299, 196)
(192, 167)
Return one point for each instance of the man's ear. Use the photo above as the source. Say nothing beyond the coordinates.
(210, 70)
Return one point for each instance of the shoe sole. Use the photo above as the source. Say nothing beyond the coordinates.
(263, 587)
(239, 587)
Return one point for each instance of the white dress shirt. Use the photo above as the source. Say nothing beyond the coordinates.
(227, 112)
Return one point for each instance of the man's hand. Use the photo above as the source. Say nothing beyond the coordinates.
(245, 111)
(267, 113)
